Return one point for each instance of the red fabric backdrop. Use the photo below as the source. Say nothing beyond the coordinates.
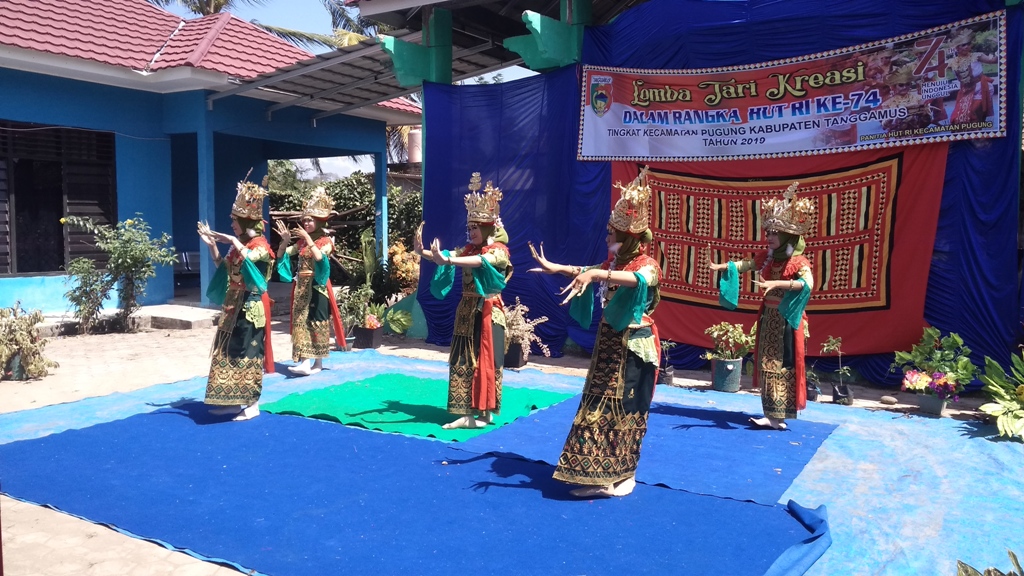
(870, 247)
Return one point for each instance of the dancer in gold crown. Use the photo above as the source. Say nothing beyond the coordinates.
(241, 348)
(784, 274)
(313, 306)
(603, 447)
(478, 344)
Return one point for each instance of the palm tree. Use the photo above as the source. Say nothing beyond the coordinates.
(336, 8)
(349, 28)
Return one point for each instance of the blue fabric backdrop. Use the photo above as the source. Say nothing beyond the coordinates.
(523, 134)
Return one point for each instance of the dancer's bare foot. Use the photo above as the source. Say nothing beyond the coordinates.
(486, 418)
(625, 487)
(248, 413)
(593, 492)
(464, 422)
(766, 422)
(302, 368)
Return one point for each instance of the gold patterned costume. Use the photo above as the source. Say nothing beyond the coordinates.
(779, 368)
(241, 347)
(478, 343)
(603, 445)
(314, 311)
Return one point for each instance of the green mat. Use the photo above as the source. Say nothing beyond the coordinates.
(406, 405)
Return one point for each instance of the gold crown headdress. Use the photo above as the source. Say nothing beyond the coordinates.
(963, 36)
(483, 207)
(788, 214)
(632, 212)
(249, 200)
(319, 204)
(902, 75)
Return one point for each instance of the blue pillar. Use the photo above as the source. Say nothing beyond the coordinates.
(207, 204)
(380, 203)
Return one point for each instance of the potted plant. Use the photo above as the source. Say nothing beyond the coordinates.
(370, 331)
(936, 369)
(666, 371)
(519, 334)
(730, 343)
(21, 348)
(841, 392)
(353, 303)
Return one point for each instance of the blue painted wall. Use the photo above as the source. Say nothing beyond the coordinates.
(44, 293)
(142, 163)
(176, 160)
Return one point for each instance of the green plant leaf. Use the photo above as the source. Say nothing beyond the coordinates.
(1016, 563)
(965, 570)
(992, 408)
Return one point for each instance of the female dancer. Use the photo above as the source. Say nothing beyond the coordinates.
(785, 275)
(603, 447)
(241, 348)
(478, 344)
(313, 306)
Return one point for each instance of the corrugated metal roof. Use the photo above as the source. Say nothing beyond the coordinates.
(360, 75)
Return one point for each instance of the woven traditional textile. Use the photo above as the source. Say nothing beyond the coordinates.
(848, 246)
(866, 274)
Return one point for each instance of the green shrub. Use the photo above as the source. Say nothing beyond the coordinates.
(89, 289)
(133, 258)
(1007, 393)
(21, 348)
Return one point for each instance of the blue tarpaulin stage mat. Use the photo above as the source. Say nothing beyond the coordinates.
(286, 495)
(700, 450)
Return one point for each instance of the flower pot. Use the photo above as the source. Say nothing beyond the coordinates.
(812, 391)
(725, 375)
(515, 357)
(930, 404)
(15, 370)
(666, 374)
(367, 337)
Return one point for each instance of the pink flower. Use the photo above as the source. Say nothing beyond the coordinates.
(916, 381)
(371, 322)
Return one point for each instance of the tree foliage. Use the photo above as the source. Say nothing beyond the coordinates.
(288, 190)
(340, 17)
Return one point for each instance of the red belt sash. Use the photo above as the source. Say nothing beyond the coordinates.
(484, 390)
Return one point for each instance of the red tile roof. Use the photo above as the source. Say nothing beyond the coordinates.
(117, 32)
(224, 43)
(135, 34)
(401, 105)
(138, 35)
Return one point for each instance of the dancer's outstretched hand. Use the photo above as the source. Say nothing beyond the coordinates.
(282, 230)
(436, 253)
(577, 286)
(546, 266)
(712, 265)
(417, 240)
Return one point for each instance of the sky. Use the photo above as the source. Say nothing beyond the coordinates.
(311, 16)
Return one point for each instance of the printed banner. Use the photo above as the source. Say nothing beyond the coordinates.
(946, 83)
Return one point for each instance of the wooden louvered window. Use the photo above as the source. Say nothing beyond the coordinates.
(47, 173)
